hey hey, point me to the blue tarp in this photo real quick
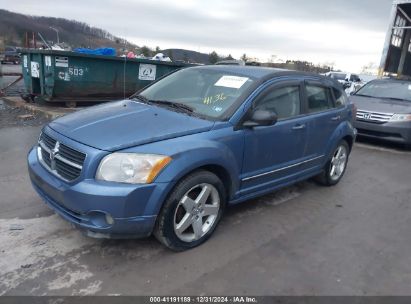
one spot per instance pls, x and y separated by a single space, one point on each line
100 51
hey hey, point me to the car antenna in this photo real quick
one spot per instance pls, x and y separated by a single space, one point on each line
124 71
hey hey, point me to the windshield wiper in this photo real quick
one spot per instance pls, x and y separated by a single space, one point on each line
394 98
175 105
141 98
365 95
170 104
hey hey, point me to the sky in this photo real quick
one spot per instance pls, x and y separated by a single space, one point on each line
348 33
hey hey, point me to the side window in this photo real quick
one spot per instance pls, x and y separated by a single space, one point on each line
285 102
340 98
319 98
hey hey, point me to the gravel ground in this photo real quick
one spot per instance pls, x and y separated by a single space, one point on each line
13 117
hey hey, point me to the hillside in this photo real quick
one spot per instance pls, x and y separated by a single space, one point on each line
13 28
186 55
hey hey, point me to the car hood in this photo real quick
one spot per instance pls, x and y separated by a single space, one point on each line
123 124
381 105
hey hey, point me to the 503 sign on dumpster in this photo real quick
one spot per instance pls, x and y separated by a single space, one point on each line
76 71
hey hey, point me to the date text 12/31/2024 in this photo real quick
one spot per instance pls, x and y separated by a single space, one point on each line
204 299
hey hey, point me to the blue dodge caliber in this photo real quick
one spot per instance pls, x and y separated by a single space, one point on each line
168 160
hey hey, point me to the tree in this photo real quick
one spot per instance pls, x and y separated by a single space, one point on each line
146 51
369 68
229 57
244 57
213 57
185 57
272 58
170 55
158 49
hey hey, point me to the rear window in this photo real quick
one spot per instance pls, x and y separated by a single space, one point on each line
338 76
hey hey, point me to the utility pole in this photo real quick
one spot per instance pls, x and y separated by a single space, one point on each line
57 32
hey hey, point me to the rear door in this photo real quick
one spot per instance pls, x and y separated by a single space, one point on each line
324 118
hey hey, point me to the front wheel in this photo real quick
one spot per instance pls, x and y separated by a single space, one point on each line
192 211
335 167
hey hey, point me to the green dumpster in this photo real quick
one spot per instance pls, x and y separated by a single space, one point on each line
61 76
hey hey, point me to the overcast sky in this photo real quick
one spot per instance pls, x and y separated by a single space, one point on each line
348 32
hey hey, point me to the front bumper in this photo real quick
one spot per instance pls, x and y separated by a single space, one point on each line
398 132
100 209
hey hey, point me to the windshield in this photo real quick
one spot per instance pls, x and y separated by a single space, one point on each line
208 93
338 76
400 90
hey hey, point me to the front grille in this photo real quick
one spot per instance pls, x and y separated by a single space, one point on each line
46 157
375 117
60 159
47 140
71 154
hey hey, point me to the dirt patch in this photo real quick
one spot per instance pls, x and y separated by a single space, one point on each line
17 116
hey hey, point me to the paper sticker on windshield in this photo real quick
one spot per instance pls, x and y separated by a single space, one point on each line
234 82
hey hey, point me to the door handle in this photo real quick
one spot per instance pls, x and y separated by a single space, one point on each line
335 118
299 127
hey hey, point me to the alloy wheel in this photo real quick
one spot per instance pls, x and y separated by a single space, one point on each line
196 212
338 162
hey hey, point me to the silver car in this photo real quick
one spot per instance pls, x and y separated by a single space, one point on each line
384 110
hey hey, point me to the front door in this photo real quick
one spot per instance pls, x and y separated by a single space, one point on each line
272 153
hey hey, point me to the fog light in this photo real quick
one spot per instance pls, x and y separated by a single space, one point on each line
109 219
100 219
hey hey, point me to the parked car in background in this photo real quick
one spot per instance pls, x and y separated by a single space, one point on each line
384 110
338 76
348 80
169 159
10 55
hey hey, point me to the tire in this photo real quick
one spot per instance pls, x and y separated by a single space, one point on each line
192 211
335 168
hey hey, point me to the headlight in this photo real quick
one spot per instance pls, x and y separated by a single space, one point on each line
131 168
401 117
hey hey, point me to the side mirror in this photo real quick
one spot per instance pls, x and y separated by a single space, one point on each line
261 118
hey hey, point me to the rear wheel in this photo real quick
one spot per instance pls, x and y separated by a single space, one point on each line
192 211
335 168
